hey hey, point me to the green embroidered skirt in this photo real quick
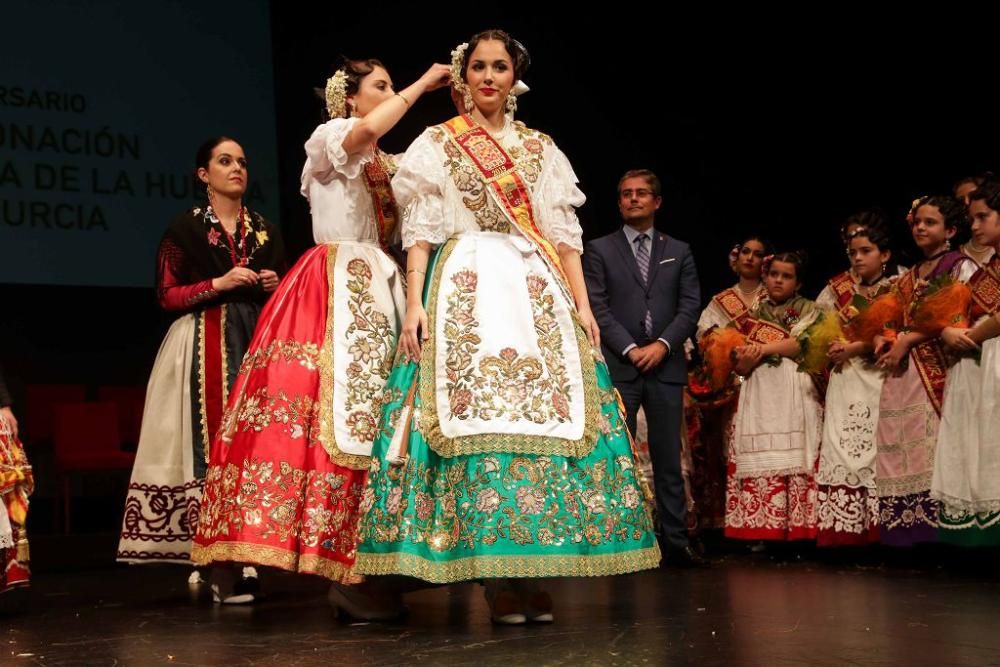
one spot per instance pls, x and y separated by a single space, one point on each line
502 513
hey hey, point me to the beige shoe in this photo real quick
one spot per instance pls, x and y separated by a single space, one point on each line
505 604
537 603
538 607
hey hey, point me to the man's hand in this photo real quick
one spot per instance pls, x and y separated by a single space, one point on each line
648 357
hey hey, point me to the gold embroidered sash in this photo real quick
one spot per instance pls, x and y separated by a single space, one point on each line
763 332
843 288
377 177
928 357
499 171
985 286
734 308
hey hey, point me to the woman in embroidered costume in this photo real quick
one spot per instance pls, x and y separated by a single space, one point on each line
966 478
289 463
216 266
714 407
910 404
848 503
514 460
16 484
771 491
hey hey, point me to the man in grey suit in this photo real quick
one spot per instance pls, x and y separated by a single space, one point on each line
644 292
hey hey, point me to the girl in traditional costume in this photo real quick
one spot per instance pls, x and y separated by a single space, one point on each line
16 484
979 253
502 454
772 488
966 479
288 466
848 502
910 404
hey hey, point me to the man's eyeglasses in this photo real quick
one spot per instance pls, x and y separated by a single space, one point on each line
628 194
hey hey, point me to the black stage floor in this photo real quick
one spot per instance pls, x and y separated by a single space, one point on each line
746 610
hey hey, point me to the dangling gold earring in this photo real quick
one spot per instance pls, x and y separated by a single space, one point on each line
209 193
511 104
947 244
354 111
467 100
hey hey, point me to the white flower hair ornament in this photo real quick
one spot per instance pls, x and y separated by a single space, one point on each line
336 94
458 83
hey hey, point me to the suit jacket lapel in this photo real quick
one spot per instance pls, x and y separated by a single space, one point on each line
659 244
629 257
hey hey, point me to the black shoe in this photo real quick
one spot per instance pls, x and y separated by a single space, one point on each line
226 589
685 557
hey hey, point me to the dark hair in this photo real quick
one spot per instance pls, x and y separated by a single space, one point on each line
795 257
872 224
975 180
204 155
518 54
734 252
768 248
654 182
356 70
952 209
988 192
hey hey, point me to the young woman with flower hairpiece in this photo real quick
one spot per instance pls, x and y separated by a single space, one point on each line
501 454
288 464
715 399
848 502
914 360
771 491
216 267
